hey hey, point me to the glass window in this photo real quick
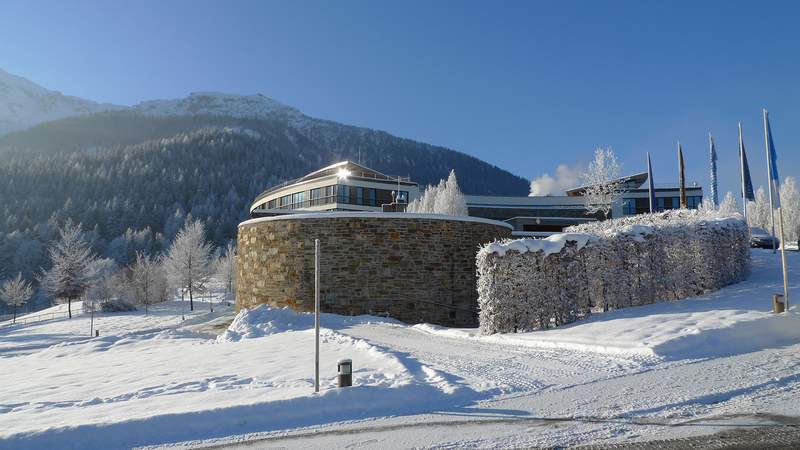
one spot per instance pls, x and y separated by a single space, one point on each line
359 196
642 205
371 197
344 193
383 197
628 207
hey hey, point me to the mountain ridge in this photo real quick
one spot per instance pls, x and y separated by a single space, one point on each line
24 103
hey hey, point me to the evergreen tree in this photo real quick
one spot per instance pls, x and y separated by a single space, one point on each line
449 199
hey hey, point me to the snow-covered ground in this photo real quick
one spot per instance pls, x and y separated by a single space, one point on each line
655 371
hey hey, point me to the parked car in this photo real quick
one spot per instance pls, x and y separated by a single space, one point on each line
761 239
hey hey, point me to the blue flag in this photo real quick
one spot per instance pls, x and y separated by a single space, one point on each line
650 184
713 158
773 164
747 183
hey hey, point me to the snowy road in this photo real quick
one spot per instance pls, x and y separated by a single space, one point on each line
584 399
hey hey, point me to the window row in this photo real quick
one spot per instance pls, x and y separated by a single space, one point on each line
338 193
631 206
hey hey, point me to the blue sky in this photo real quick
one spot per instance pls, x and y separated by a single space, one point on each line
523 85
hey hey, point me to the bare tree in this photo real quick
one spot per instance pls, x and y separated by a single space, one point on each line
101 290
728 206
146 280
226 268
16 292
188 262
790 202
71 274
758 210
602 181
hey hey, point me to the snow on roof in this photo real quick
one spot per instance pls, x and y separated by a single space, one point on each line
637 231
549 245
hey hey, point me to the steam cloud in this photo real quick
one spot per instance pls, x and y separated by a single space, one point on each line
566 178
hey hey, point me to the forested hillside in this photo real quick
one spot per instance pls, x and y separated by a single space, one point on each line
131 180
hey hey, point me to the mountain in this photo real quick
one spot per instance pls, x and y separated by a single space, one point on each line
218 104
133 175
24 104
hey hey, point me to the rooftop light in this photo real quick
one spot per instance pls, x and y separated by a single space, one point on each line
343 174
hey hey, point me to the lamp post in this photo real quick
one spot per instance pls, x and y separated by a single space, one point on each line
183 304
316 315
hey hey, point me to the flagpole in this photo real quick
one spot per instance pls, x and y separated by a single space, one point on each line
783 263
769 180
650 193
682 177
741 173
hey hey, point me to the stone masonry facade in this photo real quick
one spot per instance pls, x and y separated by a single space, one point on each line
414 269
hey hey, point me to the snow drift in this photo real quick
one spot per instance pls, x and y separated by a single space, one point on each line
529 284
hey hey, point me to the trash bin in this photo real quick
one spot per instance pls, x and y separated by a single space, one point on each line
778 306
345 369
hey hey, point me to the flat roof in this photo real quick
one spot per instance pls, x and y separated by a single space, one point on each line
356 171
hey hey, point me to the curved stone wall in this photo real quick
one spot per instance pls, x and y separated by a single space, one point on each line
413 267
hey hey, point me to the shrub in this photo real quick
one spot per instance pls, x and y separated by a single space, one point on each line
527 284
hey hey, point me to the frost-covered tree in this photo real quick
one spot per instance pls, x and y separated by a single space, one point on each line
449 199
428 199
101 289
444 198
414 206
15 292
147 280
70 275
226 268
707 206
790 205
188 261
602 180
728 206
758 210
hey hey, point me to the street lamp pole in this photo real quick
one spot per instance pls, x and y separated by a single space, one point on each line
316 315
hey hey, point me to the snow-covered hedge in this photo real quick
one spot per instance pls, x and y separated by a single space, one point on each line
527 284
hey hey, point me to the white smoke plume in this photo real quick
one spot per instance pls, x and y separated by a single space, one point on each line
566 178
